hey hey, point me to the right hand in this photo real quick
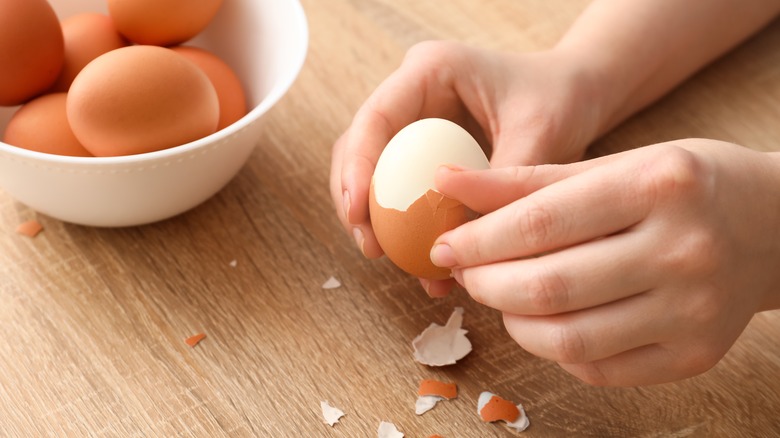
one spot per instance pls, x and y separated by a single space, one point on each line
530 108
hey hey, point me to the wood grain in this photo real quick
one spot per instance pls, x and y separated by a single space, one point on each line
93 321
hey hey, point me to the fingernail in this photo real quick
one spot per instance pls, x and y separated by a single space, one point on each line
347 204
357 234
451 167
442 255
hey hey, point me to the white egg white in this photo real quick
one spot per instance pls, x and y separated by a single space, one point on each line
405 170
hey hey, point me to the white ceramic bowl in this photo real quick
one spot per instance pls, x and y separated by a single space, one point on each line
265 41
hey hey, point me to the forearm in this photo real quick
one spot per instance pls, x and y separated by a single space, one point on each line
635 51
771 299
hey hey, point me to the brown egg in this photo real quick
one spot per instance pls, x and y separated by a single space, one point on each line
407 236
31 49
141 99
232 100
407 213
87 36
162 22
41 125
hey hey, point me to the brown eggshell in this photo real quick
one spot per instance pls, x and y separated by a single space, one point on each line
498 408
232 100
41 125
31 49
87 36
141 99
407 237
437 388
162 22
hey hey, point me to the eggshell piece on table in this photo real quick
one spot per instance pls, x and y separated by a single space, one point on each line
139 99
442 345
496 408
230 92
162 22
29 228
331 414
331 283
87 36
431 392
407 213
491 407
31 49
438 388
42 125
388 430
195 339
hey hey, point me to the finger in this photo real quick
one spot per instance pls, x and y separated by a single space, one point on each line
645 365
596 333
576 209
487 190
361 230
578 277
437 288
340 202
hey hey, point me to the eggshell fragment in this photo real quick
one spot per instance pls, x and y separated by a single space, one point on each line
388 430
491 407
29 228
496 408
331 283
407 213
139 99
438 388
425 403
194 340
431 392
31 49
439 346
331 414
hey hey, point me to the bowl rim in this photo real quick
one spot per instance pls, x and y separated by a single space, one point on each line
279 89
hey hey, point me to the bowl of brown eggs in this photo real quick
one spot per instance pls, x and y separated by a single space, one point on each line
120 113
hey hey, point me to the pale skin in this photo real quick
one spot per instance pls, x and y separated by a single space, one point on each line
646 281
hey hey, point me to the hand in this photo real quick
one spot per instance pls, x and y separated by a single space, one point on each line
532 108
637 268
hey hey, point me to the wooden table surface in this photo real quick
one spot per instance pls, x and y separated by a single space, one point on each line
93 321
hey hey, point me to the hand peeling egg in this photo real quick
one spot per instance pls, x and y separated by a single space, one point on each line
407 212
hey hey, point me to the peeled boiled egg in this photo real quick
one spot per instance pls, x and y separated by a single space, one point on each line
162 22
42 125
407 213
31 49
230 92
139 99
87 36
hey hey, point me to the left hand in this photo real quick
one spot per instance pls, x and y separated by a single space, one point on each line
637 268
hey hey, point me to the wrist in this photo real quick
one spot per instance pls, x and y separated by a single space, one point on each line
600 92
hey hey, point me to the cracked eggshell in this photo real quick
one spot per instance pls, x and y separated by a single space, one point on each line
407 213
